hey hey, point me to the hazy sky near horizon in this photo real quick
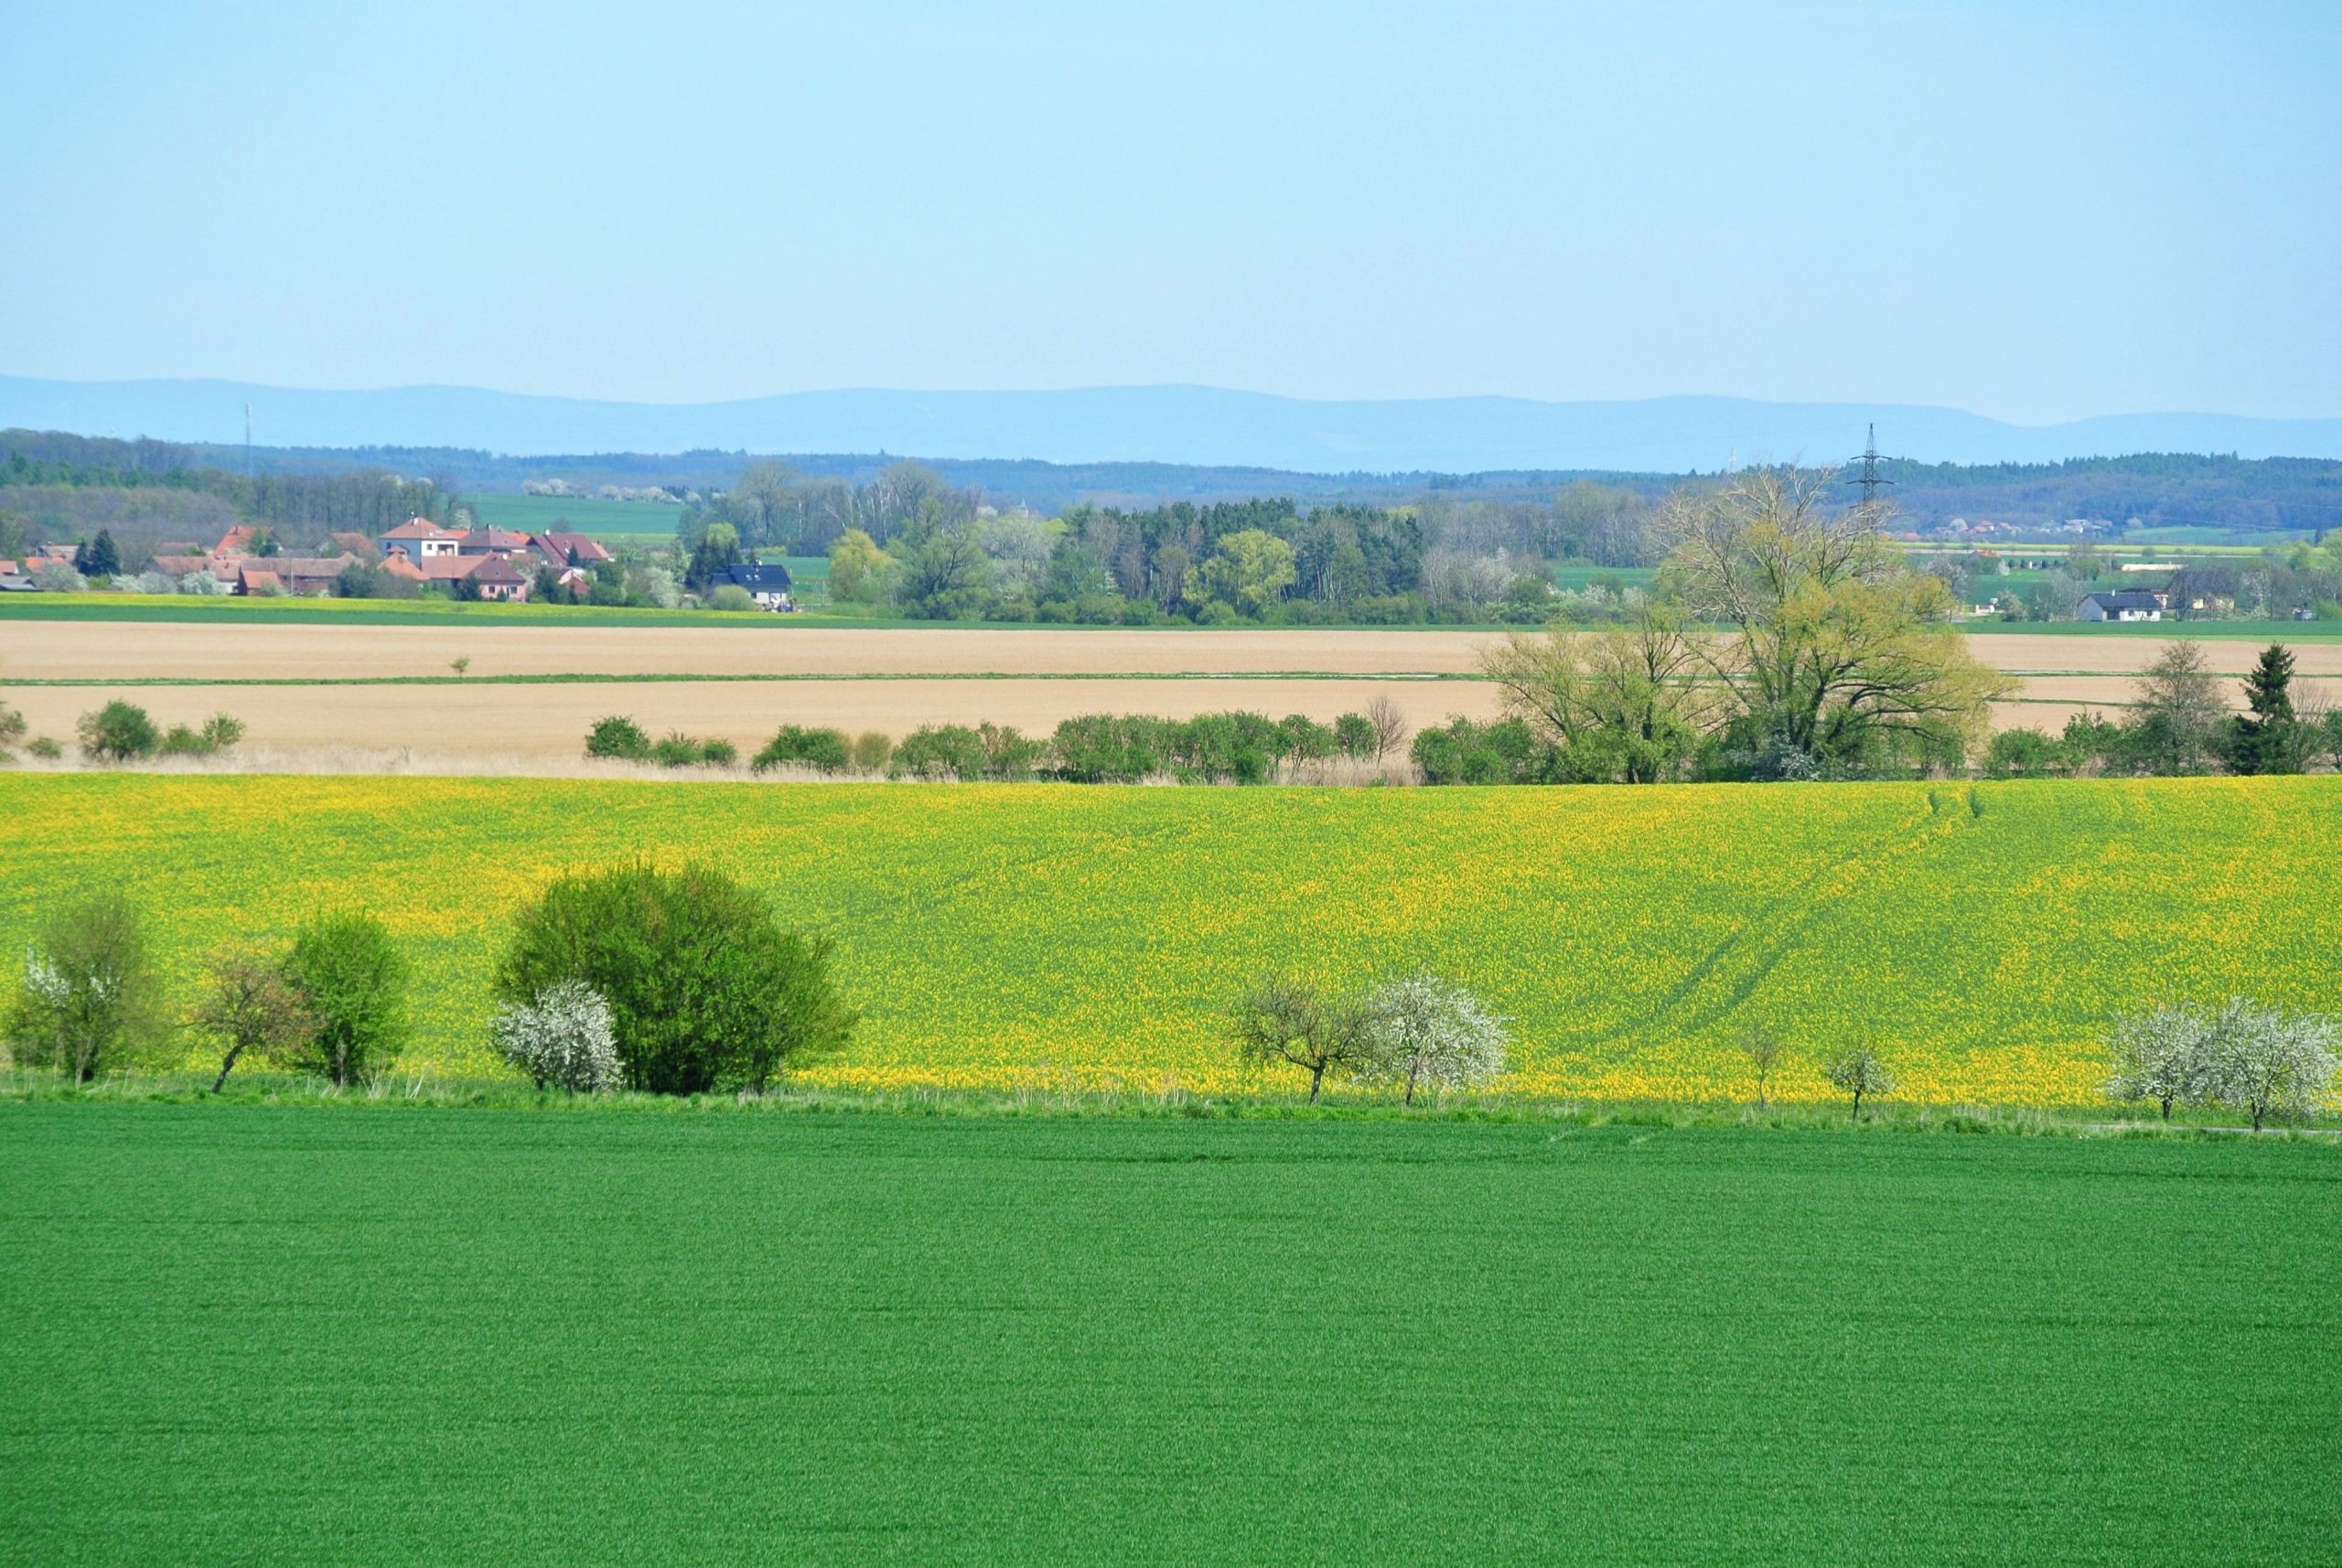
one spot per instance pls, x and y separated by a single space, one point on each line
2036 211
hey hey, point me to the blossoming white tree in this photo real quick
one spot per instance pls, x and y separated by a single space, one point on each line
1420 1030
2161 1054
563 1037
2266 1062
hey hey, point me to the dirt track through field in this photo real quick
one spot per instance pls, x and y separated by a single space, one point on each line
545 724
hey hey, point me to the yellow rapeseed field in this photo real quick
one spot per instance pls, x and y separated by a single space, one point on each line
1978 936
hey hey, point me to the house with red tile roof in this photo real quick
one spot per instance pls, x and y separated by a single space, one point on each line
490 541
258 582
569 549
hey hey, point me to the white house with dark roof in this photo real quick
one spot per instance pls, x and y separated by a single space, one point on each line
2128 604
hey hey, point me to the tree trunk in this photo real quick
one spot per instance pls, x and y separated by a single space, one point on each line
227 1065
1412 1071
2166 1107
1316 1078
2256 1118
1858 1105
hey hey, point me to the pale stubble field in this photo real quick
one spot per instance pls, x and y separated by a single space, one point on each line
758 678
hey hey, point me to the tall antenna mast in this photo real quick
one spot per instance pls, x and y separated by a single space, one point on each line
1868 479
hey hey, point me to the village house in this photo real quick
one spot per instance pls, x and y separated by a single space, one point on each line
768 585
499 579
2128 604
569 549
490 541
485 572
420 540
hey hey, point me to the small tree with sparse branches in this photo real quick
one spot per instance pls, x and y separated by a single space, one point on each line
1286 1020
252 1007
2162 1055
1419 1029
1763 1048
1388 724
1859 1072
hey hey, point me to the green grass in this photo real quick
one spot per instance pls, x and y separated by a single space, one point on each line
255 1335
605 521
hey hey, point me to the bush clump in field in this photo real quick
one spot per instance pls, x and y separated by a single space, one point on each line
119 731
1505 752
91 995
872 750
253 1007
219 733
12 732
823 750
704 987
618 739
677 749
942 752
562 1037
731 596
352 978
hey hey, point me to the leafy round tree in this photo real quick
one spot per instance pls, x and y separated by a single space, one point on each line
618 737
705 989
352 978
92 990
119 731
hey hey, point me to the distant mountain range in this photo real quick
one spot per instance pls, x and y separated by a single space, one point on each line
1170 425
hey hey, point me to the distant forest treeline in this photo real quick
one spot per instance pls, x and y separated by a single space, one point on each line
2265 495
67 485
67 482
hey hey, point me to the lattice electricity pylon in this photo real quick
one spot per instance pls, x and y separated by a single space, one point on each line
1868 479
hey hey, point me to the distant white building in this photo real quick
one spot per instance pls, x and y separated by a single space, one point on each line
2129 603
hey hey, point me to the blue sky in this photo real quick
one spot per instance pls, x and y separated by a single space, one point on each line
2034 212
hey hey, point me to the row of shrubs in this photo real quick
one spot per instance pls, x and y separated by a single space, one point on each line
669 982
1091 748
122 732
